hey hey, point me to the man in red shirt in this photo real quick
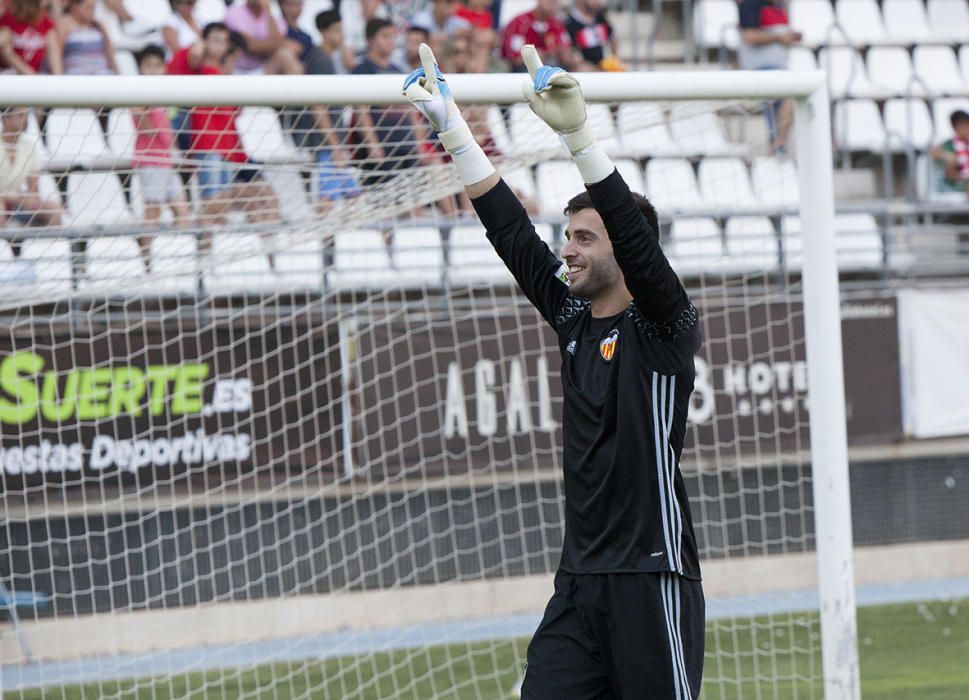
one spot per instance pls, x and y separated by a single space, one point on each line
542 28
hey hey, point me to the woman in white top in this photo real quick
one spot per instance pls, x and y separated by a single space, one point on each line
180 28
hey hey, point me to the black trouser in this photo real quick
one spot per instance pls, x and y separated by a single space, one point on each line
618 636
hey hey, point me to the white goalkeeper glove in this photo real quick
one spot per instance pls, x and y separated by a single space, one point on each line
429 92
555 96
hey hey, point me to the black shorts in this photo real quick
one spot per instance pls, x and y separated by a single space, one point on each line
618 636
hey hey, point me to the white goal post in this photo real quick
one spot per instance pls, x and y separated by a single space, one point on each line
820 282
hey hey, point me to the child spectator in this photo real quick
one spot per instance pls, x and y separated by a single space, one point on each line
441 21
26 37
267 48
954 154
153 160
20 198
83 46
330 26
180 28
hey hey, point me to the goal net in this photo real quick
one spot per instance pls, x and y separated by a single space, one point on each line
281 425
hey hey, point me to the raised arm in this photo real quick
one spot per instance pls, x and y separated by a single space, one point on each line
509 229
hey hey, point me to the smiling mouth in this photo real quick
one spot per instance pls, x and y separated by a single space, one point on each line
575 270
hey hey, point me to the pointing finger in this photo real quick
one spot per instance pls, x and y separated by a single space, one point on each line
429 63
532 60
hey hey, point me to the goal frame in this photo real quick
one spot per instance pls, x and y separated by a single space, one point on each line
808 89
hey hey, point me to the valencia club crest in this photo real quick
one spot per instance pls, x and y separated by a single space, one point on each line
607 346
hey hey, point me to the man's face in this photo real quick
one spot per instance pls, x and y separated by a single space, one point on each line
588 253
15 120
291 10
412 42
547 8
445 8
333 35
962 129
217 45
384 41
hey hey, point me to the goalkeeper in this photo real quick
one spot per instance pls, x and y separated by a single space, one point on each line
626 619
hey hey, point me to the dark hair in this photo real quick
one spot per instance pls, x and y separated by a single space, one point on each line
375 25
960 115
422 30
214 27
149 51
327 18
584 201
237 42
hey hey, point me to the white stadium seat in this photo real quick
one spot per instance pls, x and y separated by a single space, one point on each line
938 68
51 259
928 183
75 139
716 23
175 263
95 199
698 131
858 126
813 18
600 117
801 58
472 258
299 263
512 8
949 19
671 182
360 261
847 75
862 20
964 65
210 11
418 256
112 261
127 65
263 138
858 242
942 110
243 264
121 135
632 174
751 244
890 67
775 182
725 184
557 181
529 133
696 245
499 130
644 130
521 180
912 120
907 23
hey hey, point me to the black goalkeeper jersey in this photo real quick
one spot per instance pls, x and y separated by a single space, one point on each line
627 381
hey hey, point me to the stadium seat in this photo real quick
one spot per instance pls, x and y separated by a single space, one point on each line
175 263
671 182
121 136
890 67
907 23
716 24
17 276
499 130
939 70
521 180
775 182
911 119
472 259
695 246
949 19
360 261
75 139
418 256
529 134
127 65
644 130
263 138
814 18
928 183
299 261
801 58
52 264
557 182
847 75
240 263
964 65
210 11
112 263
600 116
942 109
725 184
631 172
862 21
512 8
95 199
751 244
697 130
858 242
858 126
294 202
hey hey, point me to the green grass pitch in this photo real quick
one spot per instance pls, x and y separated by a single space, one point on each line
916 651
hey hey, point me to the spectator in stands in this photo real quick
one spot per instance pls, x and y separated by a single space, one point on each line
765 37
441 21
20 198
83 47
413 38
330 26
26 37
268 49
226 174
478 14
291 11
592 34
543 28
180 28
954 154
397 12
153 159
